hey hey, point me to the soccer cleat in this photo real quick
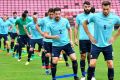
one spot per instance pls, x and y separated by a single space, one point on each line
76 78
82 78
19 60
27 63
47 72
93 78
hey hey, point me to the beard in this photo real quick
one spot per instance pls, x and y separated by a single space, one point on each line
57 18
86 11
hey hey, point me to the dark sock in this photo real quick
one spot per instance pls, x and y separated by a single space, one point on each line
43 58
65 57
75 67
28 47
29 55
46 62
15 48
110 73
82 66
20 51
90 72
0 44
7 50
12 45
53 70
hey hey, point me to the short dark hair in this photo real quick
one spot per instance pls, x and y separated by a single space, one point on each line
46 14
35 13
86 2
57 9
92 10
106 3
51 10
24 15
14 12
26 11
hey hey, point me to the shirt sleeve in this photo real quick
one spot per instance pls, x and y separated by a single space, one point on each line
41 23
91 19
17 21
67 24
47 28
77 19
117 20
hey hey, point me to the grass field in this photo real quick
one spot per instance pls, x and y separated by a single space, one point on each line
11 69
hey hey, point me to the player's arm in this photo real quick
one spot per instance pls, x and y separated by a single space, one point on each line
46 35
70 36
39 30
85 23
76 34
16 24
27 32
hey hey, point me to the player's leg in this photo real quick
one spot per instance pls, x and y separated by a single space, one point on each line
95 51
107 52
47 47
69 51
31 50
55 57
83 49
0 40
65 58
5 36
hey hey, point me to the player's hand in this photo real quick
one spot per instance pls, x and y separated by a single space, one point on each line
56 37
30 36
17 32
112 39
72 44
92 39
76 42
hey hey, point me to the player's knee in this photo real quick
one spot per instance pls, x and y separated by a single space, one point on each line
31 49
48 55
93 63
110 64
83 56
55 60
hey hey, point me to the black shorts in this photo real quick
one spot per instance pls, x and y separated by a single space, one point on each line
57 49
48 47
107 52
84 46
4 36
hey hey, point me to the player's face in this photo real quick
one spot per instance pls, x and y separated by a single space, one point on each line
14 15
57 15
106 10
87 8
51 14
5 18
35 19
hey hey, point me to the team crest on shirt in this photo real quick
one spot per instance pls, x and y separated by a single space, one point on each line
62 24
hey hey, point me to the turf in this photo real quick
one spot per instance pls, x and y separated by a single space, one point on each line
11 69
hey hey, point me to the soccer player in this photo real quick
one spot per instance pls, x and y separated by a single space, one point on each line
60 29
13 34
4 28
47 43
102 41
34 36
84 41
23 38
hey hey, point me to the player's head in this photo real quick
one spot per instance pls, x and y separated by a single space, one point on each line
35 13
24 15
57 12
5 17
51 13
92 10
87 7
14 14
46 14
106 6
26 12
35 17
